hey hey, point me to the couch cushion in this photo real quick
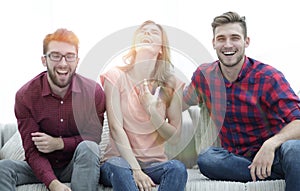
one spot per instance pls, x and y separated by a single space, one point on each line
42 187
196 181
6 131
13 149
268 185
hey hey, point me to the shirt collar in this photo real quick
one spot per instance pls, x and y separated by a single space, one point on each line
46 90
46 87
245 68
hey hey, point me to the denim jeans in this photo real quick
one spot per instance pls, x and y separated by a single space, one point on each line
170 175
82 171
219 164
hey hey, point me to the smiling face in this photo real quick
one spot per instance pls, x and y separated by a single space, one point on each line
230 43
60 73
149 37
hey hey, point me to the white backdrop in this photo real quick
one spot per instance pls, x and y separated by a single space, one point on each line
272 27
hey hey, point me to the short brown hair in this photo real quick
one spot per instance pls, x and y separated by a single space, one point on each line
230 17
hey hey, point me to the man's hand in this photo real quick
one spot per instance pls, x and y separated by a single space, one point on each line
56 185
262 163
45 143
143 181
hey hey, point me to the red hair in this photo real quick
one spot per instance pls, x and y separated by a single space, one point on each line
61 35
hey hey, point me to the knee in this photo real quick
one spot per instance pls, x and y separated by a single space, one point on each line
291 150
179 168
5 166
88 150
293 145
205 157
209 159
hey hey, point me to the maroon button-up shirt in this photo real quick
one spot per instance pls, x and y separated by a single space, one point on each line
76 117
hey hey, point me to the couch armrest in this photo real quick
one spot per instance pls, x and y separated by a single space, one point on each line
6 132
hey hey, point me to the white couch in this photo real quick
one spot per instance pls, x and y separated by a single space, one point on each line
194 139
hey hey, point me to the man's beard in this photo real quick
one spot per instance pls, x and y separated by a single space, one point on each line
239 58
56 81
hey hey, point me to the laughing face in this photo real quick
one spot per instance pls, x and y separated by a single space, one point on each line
230 43
60 73
149 37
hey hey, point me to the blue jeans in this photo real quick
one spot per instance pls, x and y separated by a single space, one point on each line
219 164
170 175
82 171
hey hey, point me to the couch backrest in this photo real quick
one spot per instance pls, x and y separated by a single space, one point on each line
200 131
184 150
206 134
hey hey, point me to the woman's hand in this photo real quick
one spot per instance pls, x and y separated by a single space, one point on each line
146 98
142 180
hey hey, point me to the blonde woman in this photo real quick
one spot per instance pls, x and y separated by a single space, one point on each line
144 111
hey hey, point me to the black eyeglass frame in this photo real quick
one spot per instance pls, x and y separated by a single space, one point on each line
67 59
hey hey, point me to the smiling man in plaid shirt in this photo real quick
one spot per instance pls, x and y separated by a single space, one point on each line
254 107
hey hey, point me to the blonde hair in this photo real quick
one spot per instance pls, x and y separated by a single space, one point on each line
163 63
162 70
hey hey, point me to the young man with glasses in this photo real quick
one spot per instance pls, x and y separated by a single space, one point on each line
60 116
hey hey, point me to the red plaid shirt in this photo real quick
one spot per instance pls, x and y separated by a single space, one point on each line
248 111
76 117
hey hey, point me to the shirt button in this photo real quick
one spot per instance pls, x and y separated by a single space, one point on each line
61 102
228 102
61 120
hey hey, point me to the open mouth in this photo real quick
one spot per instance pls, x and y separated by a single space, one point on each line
146 40
229 53
62 72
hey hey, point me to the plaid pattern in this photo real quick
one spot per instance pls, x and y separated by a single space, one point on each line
248 111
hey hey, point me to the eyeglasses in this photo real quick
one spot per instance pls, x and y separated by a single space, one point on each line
57 57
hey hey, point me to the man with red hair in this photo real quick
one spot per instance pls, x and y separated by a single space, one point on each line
60 116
